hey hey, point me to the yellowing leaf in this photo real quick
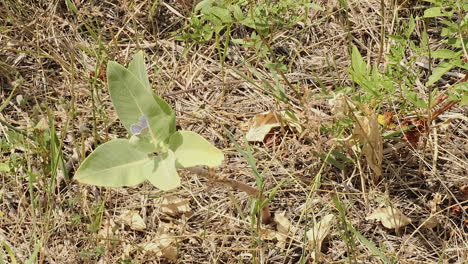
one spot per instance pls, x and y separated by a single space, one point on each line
174 205
366 131
191 150
390 217
133 220
317 234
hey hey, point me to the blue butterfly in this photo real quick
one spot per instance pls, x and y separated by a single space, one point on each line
140 127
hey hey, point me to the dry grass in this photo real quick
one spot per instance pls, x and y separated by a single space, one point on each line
55 55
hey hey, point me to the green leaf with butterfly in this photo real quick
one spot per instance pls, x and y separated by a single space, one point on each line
155 149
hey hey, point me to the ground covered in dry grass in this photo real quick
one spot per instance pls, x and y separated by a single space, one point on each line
53 59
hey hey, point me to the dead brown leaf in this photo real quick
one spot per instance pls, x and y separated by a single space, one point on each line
283 225
132 219
268 235
165 245
390 217
433 204
174 206
262 124
367 131
341 105
430 222
317 234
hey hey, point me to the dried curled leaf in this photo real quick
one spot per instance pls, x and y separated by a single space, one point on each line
263 123
341 105
175 206
317 234
133 220
430 222
268 235
367 131
386 120
107 230
163 246
283 225
390 217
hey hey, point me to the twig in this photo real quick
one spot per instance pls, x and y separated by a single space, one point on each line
209 174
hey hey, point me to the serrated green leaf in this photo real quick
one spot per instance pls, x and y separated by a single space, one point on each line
438 72
445 54
204 4
411 26
460 92
222 14
237 12
414 98
461 87
164 174
137 67
191 149
357 62
314 6
132 100
464 99
4 167
115 164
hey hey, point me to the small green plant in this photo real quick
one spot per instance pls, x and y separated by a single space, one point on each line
155 149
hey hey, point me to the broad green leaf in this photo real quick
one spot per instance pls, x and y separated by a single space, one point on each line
115 164
132 99
137 67
164 174
438 72
433 12
191 149
143 144
361 75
